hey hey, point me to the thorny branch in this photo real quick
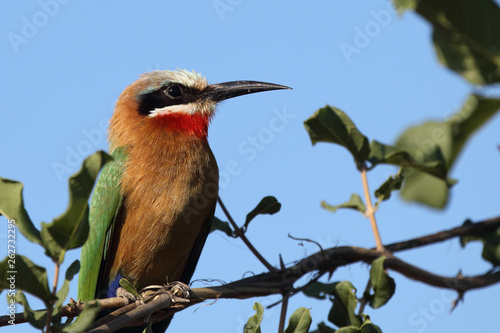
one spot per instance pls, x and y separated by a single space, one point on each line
323 261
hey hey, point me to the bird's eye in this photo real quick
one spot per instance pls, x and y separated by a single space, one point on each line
173 91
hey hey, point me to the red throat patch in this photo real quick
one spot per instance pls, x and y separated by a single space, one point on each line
193 124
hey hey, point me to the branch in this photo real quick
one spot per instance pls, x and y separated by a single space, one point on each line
471 229
159 302
323 261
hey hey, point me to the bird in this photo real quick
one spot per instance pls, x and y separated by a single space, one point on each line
152 207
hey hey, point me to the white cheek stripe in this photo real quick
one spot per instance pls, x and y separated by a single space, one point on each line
182 108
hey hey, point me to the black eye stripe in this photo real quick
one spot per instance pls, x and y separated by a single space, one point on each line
173 94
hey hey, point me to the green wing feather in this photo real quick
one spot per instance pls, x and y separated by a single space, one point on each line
104 207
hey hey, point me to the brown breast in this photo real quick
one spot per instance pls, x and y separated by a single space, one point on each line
170 186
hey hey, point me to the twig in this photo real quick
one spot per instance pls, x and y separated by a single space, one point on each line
298 290
104 321
364 300
54 290
244 238
370 211
284 307
306 240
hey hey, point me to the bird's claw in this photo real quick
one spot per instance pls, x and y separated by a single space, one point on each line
179 289
121 292
176 288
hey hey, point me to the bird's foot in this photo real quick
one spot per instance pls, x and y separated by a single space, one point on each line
151 290
121 292
179 289
176 288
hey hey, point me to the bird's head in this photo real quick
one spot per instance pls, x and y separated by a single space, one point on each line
173 101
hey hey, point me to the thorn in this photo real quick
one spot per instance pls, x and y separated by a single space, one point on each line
460 294
282 264
459 299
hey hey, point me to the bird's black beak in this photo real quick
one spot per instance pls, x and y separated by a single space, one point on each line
221 91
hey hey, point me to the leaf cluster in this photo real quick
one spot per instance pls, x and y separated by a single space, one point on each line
66 232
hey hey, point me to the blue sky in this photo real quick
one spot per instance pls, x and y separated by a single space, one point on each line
64 63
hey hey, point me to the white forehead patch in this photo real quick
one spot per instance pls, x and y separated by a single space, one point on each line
188 78
152 81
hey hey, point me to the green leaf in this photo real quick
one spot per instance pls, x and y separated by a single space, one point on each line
85 319
330 124
323 328
382 284
27 276
12 207
299 321
393 183
366 327
253 323
450 135
53 239
476 111
430 161
319 290
70 230
36 319
268 205
428 142
349 329
355 202
370 328
128 286
344 306
491 244
404 5
422 188
466 36
222 226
